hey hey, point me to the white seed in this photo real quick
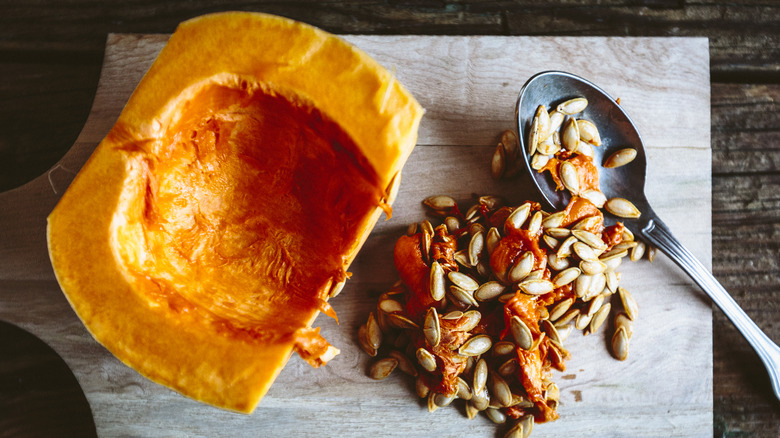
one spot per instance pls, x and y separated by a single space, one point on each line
612 281
535 224
558 233
584 252
599 317
589 132
502 348
442 400
573 106
373 332
475 345
476 245
554 220
584 149
651 253
471 320
518 217
561 308
431 327
382 368
492 240
550 330
522 268
464 391
638 251
480 377
623 321
437 281
463 281
566 318
498 163
538 161
557 263
463 296
499 390
582 321
593 240
564 332
620 344
389 305
622 208
452 223
595 304
533 136
544 121
536 286
620 158
595 196
426 360
627 235
571 135
612 263
551 242
547 147
565 277
582 285
439 202
421 388
521 333
511 144
564 250
569 177
629 304
556 120
597 284
489 290
588 223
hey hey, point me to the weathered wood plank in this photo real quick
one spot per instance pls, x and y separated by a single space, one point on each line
665 391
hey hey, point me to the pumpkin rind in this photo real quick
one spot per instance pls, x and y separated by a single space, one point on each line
107 280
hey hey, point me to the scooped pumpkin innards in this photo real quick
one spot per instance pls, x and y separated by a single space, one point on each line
213 222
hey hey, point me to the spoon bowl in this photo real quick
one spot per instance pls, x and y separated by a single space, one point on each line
618 131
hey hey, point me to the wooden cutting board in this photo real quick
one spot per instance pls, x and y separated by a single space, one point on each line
468 86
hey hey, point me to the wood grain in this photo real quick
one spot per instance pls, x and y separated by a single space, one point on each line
666 391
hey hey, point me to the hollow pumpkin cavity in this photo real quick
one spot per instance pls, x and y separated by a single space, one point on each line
240 214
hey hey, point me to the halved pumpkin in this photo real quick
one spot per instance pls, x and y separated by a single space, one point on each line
210 226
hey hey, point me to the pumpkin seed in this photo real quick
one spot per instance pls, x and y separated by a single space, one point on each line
612 281
536 286
557 263
538 161
620 344
552 393
431 402
488 291
426 360
584 252
651 253
556 120
476 345
499 390
599 317
518 217
533 136
613 254
502 348
521 402
483 269
629 304
373 332
547 147
472 212
638 251
411 230
470 321
584 149
622 208
593 240
439 202
566 318
612 263
597 285
589 132
480 377
623 321
511 144
582 284
495 415
569 177
431 328
521 268
550 241
562 307
390 305
620 158
550 330
363 341
627 236
426 239
592 267
421 388
508 368
471 411
382 368
462 296
582 321
558 233
476 228
535 224
564 332
436 282
442 400
461 257
455 314
565 277
476 245
452 223
573 106
492 239
521 333
595 196
544 121
498 163
400 321
554 220
463 281
481 399
564 250
404 363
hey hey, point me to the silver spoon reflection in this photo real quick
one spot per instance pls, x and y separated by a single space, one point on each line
617 130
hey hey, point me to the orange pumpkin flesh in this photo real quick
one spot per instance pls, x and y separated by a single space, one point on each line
207 230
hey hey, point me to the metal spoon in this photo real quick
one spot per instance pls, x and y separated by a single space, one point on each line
617 129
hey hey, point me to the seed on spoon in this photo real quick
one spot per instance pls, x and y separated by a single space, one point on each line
573 106
556 120
539 161
620 158
589 132
622 208
544 122
571 135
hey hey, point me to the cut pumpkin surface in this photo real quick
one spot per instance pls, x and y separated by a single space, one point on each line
208 229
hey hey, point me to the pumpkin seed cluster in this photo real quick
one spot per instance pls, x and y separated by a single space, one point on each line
487 299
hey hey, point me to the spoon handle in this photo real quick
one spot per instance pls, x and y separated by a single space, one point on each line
658 234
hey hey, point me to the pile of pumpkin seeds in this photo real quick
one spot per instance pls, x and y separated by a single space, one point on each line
467 295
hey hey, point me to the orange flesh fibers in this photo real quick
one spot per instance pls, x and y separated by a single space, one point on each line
210 244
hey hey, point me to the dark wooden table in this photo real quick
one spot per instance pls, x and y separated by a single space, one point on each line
51 53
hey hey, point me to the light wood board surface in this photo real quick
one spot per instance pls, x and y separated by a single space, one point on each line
468 86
